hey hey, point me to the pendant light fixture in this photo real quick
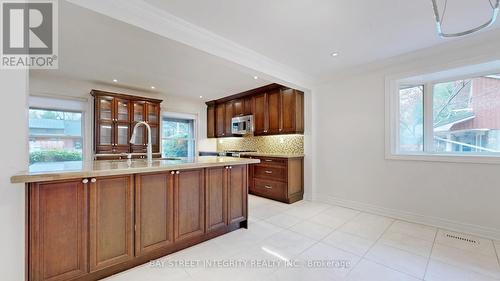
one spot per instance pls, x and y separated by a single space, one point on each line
495 6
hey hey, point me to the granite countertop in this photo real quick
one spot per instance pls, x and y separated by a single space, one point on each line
79 169
276 155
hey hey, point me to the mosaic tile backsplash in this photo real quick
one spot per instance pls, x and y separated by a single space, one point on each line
286 144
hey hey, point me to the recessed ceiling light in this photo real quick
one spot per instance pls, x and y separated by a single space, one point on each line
201 97
153 87
115 80
335 54
256 77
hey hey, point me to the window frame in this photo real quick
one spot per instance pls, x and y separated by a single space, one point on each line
64 105
185 116
392 115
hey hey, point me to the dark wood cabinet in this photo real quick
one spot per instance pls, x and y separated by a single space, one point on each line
260 116
115 115
216 198
292 111
111 221
237 193
228 119
189 204
238 107
154 212
58 225
226 196
276 110
211 121
87 229
220 117
280 179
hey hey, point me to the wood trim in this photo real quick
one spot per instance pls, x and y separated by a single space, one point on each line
96 93
252 92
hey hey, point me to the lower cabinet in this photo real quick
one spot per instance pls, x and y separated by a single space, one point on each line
57 230
154 212
226 196
111 221
189 204
87 229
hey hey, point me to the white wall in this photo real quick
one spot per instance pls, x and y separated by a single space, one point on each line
351 168
14 158
41 84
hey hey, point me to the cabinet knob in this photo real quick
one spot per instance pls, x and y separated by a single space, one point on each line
230 167
85 181
93 180
226 167
177 172
172 172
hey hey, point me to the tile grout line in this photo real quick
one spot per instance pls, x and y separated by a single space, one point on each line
497 249
432 250
378 240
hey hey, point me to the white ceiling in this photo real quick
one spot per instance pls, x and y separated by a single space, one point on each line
303 34
96 48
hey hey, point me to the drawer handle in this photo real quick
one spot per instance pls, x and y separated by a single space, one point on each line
268 160
268 186
269 172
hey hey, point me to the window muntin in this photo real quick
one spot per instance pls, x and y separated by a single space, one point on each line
463 117
178 137
55 136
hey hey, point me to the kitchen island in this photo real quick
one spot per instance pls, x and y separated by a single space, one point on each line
93 219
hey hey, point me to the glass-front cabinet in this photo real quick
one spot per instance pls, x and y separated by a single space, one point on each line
115 116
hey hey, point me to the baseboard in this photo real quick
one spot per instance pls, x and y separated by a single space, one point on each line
477 230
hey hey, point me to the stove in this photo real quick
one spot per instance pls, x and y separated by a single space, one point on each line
235 153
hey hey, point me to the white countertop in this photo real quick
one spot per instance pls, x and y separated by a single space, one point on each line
50 172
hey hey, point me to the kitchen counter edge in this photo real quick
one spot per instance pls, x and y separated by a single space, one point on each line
65 175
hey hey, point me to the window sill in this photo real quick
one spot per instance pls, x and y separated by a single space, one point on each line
427 157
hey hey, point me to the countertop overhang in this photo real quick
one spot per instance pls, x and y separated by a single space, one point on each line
123 167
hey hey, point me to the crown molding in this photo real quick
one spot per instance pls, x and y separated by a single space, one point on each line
150 18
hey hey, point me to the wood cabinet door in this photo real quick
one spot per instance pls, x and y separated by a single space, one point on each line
58 224
292 111
104 108
238 107
138 111
248 106
189 204
111 221
154 212
211 121
220 118
273 111
228 119
122 133
237 194
216 198
152 113
122 110
260 114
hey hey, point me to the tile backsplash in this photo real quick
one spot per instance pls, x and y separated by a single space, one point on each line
286 144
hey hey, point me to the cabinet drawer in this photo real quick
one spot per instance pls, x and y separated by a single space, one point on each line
269 188
270 172
272 161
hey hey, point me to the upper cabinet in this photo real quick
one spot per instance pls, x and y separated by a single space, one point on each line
115 116
276 110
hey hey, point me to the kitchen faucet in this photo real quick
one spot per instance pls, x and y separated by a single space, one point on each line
134 138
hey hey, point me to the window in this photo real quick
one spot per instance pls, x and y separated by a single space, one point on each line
55 136
178 137
450 117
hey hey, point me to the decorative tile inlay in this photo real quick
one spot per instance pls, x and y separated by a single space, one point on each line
285 144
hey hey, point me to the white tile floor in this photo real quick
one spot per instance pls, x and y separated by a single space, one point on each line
316 241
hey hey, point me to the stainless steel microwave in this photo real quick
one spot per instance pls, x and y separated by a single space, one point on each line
242 125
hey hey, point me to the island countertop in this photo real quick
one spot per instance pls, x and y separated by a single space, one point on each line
62 171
